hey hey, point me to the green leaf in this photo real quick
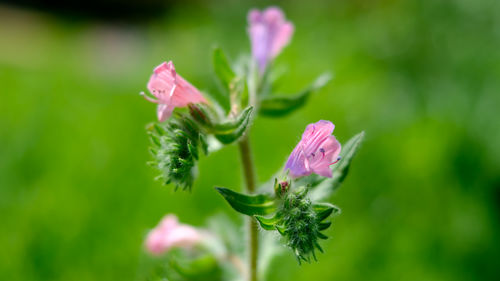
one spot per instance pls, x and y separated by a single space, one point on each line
203 143
178 264
324 225
348 151
276 106
202 268
281 229
230 131
250 205
324 210
268 223
222 68
324 187
226 77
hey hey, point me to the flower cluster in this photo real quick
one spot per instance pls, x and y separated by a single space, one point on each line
315 167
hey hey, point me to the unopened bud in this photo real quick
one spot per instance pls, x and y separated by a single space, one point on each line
281 187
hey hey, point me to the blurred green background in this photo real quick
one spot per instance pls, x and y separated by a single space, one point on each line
422 78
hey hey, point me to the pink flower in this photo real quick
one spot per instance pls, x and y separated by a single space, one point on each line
315 152
170 90
169 233
269 33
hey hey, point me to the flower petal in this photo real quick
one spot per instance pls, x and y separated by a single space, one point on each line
297 163
315 134
315 152
171 90
282 38
164 112
185 93
169 222
169 233
269 33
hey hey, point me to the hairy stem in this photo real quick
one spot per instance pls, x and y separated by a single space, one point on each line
249 174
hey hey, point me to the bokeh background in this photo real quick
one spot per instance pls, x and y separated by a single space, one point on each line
422 78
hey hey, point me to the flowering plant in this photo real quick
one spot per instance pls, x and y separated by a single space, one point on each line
291 204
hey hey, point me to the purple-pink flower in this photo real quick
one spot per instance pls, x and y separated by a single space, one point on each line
315 152
170 90
170 233
269 33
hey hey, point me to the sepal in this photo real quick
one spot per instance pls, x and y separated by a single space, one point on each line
230 131
202 114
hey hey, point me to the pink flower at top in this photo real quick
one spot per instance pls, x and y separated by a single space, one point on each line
269 33
315 152
169 233
170 90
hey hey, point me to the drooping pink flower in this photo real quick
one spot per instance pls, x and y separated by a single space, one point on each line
315 152
170 90
269 33
170 233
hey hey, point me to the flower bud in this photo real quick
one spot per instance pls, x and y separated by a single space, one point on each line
175 150
300 225
169 233
281 187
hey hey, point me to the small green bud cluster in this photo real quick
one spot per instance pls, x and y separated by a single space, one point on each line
175 150
301 225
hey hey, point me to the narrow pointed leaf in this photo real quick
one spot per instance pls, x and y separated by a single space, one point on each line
250 205
348 151
268 223
324 187
230 131
324 225
225 75
280 229
318 247
222 68
279 105
155 139
324 210
204 143
322 236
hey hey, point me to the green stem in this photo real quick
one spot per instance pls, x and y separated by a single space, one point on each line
249 173
250 177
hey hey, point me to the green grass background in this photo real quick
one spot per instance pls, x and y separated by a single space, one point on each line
422 78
